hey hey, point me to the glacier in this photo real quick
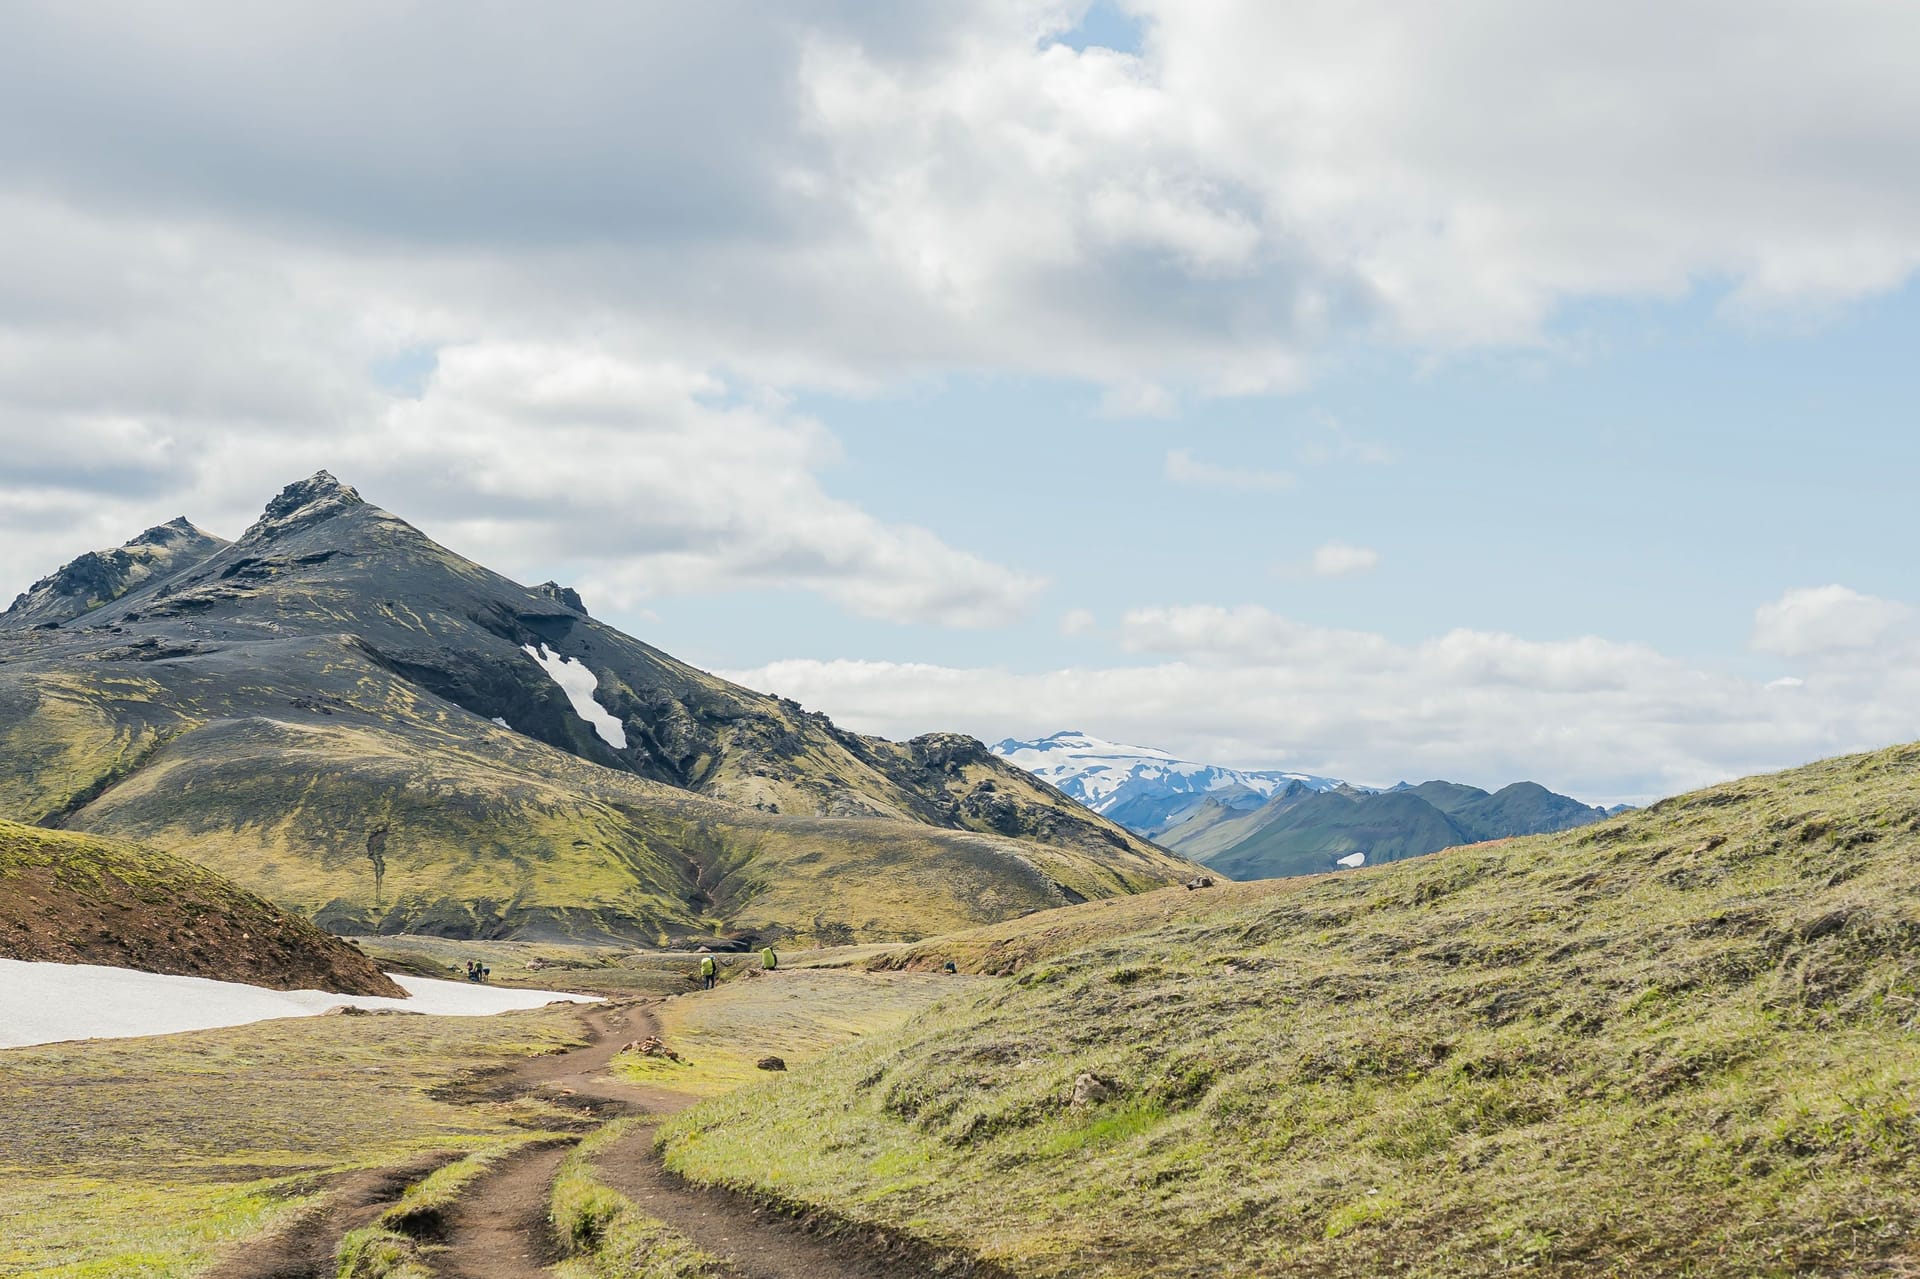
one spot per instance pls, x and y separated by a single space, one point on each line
1141 787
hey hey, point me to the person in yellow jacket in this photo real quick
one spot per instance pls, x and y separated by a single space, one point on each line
708 972
769 960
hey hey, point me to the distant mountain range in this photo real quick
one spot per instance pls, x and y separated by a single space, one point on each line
343 716
1262 825
1144 789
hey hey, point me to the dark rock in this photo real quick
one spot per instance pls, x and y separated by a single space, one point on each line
771 1063
563 595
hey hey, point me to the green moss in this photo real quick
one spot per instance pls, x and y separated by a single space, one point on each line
1680 1041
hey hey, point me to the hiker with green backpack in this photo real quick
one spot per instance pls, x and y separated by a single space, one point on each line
709 973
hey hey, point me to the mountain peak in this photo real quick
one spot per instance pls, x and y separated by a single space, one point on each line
172 531
563 595
320 496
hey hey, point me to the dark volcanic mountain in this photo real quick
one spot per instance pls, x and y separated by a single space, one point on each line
344 716
100 577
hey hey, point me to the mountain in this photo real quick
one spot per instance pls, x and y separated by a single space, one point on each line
1259 825
1346 827
354 721
1523 808
1680 1042
1144 789
77 899
100 577
1339 829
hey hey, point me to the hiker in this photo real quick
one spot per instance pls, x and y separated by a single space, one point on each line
951 968
769 960
473 970
708 972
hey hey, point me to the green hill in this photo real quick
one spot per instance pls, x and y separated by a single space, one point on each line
347 717
1682 1041
1300 831
1313 833
77 899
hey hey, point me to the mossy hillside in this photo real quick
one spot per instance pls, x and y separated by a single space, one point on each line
80 899
1682 1041
477 849
158 1151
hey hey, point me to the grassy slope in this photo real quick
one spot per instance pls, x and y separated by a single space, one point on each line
79 899
795 1014
490 828
162 1149
1683 1040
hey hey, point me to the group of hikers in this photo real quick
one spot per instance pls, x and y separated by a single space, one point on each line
477 971
710 968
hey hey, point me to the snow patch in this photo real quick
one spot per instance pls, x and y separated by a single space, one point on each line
47 1003
501 722
1351 860
579 683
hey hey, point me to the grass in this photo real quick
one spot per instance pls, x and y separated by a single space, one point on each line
147 1156
606 1236
795 1014
1682 1041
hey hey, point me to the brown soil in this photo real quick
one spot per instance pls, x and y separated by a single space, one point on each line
70 898
500 1230
303 1247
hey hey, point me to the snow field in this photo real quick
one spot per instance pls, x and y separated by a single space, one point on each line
579 683
48 1003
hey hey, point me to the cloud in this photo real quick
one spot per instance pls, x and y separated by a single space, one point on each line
1338 559
227 228
1078 621
642 479
1182 467
1138 399
1824 619
1604 720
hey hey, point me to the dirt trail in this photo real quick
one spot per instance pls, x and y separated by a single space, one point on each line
303 1247
760 1244
499 1229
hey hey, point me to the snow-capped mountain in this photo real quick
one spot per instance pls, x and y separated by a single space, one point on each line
1142 788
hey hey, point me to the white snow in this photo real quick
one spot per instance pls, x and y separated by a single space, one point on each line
579 683
47 1003
1351 860
501 722
1103 774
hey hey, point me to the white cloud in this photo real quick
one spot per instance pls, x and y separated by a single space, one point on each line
1604 720
1182 467
219 223
646 479
1078 621
1138 399
1824 619
1338 559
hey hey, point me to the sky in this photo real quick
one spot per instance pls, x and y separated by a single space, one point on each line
1485 391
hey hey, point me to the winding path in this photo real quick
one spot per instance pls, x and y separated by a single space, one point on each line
499 1229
